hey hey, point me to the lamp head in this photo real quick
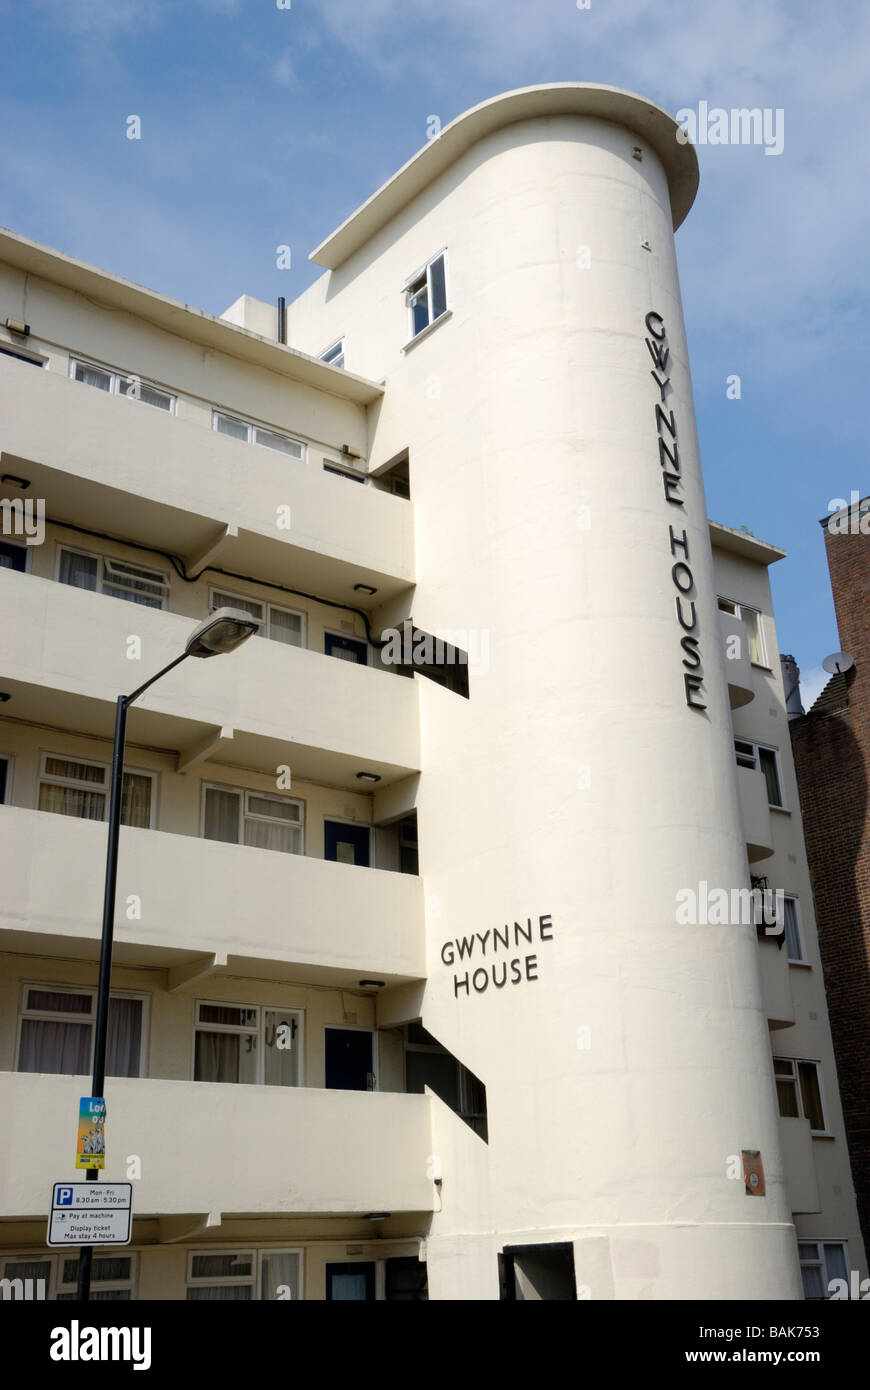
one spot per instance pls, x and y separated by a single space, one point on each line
222 631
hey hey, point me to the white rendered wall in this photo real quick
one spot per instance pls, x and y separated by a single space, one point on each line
575 783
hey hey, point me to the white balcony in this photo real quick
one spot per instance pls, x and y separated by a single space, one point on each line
64 662
776 983
754 813
251 909
738 667
101 461
800 1167
222 1149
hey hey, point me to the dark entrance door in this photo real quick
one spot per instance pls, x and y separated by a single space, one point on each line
349 1060
349 844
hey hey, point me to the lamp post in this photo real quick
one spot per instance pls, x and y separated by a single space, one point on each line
224 631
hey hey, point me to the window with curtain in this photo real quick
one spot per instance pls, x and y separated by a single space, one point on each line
127 384
116 578
249 433
280 624
257 819
821 1261
57 1032
249 1044
244 1275
73 787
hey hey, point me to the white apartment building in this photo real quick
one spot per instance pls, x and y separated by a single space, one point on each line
516 1069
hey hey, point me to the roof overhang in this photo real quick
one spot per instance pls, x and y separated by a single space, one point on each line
195 325
740 543
650 122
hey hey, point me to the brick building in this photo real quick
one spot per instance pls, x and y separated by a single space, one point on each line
831 745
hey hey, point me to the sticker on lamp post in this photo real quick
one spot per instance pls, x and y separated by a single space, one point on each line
91 1144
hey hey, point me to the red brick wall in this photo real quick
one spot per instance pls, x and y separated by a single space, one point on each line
832 761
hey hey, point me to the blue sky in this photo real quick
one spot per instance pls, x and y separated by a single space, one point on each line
263 126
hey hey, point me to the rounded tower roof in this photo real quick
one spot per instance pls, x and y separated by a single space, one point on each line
647 120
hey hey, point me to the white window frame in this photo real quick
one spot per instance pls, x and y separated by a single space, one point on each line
105 577
802 958
242 1030
54 1285
243 793
753 752
121 383
254 427
338 359
806 1061
820 1261
51 780
738 609
254 1279
49 1015
266 621
412 288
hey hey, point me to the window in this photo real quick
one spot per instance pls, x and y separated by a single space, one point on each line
409 858
334 355
426 295
117 578
5 778
793 936
57 1031
14 555
76 787
766 760
751 619
250 433
281 624
247 1043
427 1063
822 1261
799 1091
241 1276
113 1277
258 819
122 384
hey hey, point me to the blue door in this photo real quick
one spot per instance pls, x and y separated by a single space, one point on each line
346 844
349 1059
345 648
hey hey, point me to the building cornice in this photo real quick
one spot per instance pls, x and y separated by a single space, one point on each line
644 118
194 325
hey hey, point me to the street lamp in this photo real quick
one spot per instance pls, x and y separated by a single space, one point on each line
224 631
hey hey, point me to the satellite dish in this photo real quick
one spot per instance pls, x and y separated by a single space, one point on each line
838 662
